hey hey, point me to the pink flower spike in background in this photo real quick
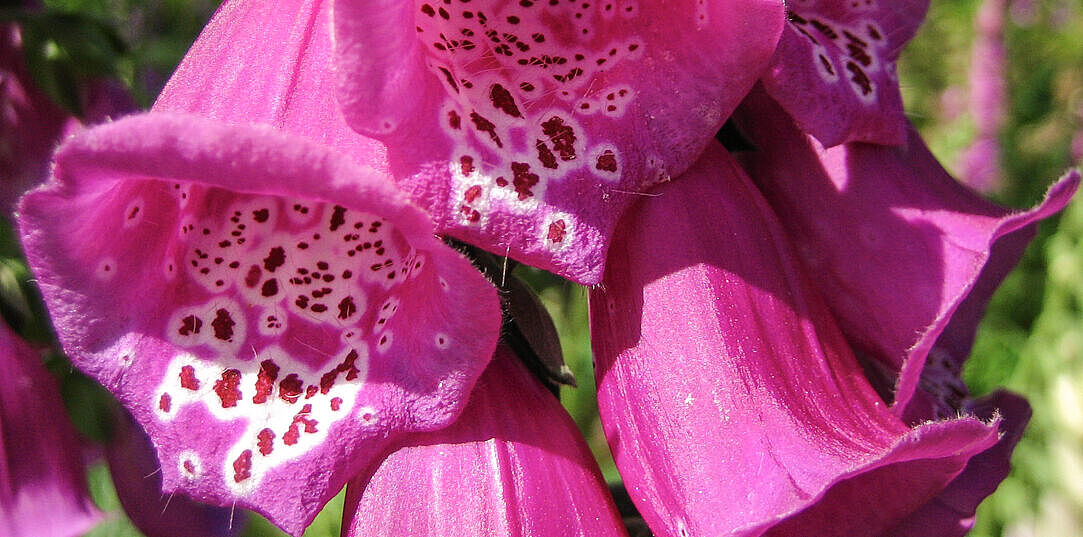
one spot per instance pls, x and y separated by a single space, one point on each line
42 482
988 98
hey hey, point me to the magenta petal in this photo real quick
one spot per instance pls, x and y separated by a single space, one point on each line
731 401
864 215
834 69
138 482
42 488
514 465
271 313
270 63
527 127
30 124
951 513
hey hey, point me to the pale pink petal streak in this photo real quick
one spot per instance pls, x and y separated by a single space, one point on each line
514 465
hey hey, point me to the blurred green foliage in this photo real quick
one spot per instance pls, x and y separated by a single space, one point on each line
1031 339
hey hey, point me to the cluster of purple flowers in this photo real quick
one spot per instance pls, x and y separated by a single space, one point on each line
779 325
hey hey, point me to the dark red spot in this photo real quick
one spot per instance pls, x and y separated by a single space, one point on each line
242 467
561 135
545 155
227 388
311 390
290 388
270 287
607 162
338 217
450 80
265 380
336 403
318 308
827 65
346 308
472 193
189 467
501 182
164 402
275 258
523 179
327 381
805 33
133 213
188 378
502 100
190 325
466 163
261 215
856 47
471 214
223 325
291 436
454 120
824 28
265 439
855 40
557 231
484 125
860 78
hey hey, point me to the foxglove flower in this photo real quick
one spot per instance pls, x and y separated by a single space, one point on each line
834 68
272 314
513 464
752 379
981 161
30 124
526 127
864 214
42 485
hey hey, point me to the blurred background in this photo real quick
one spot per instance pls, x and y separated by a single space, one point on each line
996 88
